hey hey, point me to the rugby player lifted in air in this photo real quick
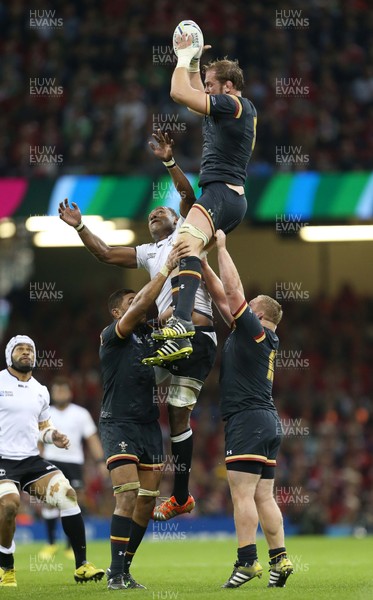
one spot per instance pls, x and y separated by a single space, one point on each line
229 130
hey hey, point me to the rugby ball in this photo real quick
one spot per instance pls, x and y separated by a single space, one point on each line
193 30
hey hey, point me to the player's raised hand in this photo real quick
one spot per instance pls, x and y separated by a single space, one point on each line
60 440
220 238
71 216
184 49
163 149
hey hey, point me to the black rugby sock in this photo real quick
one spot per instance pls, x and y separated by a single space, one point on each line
6 561
276 555
73 526
119 537
182 450
175 290
247 554
137 533
51 530
189 280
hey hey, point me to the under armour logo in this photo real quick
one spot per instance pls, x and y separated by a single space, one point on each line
229 452
2 472
210 212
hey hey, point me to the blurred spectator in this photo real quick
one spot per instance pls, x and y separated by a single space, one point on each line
113 61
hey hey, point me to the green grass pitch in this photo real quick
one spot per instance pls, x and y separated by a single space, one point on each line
340 568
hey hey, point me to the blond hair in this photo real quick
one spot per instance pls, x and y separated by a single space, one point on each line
271 308
226 70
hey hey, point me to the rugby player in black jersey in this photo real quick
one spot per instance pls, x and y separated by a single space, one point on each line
229 131
252 426
129 430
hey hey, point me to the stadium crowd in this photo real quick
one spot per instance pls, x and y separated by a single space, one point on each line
323 383
91 82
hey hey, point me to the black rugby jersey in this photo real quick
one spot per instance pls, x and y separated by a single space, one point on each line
229 132
247 366
129 386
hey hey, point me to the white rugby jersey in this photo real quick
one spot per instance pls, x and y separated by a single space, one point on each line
153 256
75 422
23 405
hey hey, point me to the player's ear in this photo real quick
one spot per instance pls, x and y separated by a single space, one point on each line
228 86
115 313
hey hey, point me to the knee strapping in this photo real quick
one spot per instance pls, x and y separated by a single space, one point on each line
57 495
8 487
195 232
126 487
183 391
153 493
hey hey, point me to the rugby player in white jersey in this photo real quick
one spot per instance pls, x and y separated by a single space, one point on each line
25 421
79 427
186 374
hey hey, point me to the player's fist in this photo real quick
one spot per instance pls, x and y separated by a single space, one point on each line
60 440
220 239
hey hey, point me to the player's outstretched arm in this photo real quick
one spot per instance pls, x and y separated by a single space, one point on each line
163 150
229 275
145 297
216 291
120 256
182 91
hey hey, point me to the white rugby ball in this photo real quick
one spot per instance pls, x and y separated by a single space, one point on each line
193 30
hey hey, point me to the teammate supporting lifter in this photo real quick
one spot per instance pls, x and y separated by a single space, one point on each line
130 433
252 425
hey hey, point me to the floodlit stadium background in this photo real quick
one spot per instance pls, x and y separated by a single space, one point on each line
82 87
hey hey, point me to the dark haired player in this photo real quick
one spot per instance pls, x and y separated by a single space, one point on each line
185 379
229 130
25 421
129 430
252 426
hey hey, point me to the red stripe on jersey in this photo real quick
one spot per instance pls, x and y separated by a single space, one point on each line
240 310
